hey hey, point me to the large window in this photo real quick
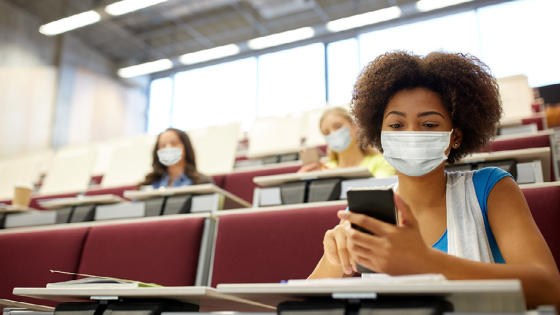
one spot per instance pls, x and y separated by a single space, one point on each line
159 113
515 37
453 33
521 37
291 80
342 67
216 95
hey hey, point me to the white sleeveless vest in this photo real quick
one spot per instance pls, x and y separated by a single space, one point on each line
466 234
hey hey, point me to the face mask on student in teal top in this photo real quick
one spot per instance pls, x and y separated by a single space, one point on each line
415 153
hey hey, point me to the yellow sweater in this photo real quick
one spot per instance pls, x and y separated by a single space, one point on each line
376 164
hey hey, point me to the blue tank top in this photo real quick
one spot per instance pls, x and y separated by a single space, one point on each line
483 181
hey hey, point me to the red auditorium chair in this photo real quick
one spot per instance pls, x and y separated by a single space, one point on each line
544 203
241 183
161 252
219 180
26 259
270 246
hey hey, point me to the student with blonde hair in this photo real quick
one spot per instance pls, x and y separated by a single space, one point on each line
339 129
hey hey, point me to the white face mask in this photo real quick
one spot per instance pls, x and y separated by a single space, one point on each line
339 140
169 156
415 153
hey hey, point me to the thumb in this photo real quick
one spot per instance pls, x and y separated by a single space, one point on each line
407 218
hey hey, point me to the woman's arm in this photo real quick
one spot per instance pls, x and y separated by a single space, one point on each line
401 250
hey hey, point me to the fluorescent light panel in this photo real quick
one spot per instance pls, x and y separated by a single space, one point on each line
127 6
364 19
70 23
209 54
429 5
281 38
145 68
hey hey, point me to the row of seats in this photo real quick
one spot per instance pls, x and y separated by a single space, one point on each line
250 246
240 183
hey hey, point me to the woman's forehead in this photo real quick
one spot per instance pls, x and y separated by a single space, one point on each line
416 101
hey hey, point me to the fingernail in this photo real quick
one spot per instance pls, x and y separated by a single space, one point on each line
348 270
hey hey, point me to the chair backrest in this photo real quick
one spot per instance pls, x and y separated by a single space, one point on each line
311 131
129 163
275 135
163 252
28 257
215 148
69 171
241 183
517 96
544 204
270 246
18 170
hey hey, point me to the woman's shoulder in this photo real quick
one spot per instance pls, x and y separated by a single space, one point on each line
489 176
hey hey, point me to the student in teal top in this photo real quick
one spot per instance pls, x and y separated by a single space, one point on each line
174 162
422 112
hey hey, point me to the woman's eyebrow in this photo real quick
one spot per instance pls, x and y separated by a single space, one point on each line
396 113
424 114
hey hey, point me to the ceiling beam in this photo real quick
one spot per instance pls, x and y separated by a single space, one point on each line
250 18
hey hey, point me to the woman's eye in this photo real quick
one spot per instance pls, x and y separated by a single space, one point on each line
431 125
395 126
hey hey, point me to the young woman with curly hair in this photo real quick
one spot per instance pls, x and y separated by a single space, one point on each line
174 162
421 112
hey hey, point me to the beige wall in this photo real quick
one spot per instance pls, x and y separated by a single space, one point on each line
46 105
26 108
102 108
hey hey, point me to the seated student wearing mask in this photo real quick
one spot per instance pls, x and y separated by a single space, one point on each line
174 162
423 112
340 133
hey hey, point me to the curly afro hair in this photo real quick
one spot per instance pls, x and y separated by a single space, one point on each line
463 82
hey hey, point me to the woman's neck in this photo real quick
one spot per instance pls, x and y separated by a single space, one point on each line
176 170
424 192
350 157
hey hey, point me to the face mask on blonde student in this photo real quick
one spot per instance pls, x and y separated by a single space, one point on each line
339 130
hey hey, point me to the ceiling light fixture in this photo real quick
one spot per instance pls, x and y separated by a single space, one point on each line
281 38
127 6
70 23
209 54
429 5
364 19
145 68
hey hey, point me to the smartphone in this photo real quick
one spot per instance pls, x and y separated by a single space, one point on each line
376 202
308 156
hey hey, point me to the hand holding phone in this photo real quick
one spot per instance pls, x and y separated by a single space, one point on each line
376 202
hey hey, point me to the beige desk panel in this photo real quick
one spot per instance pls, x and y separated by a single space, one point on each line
347 173
208 298
523 155
467 295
